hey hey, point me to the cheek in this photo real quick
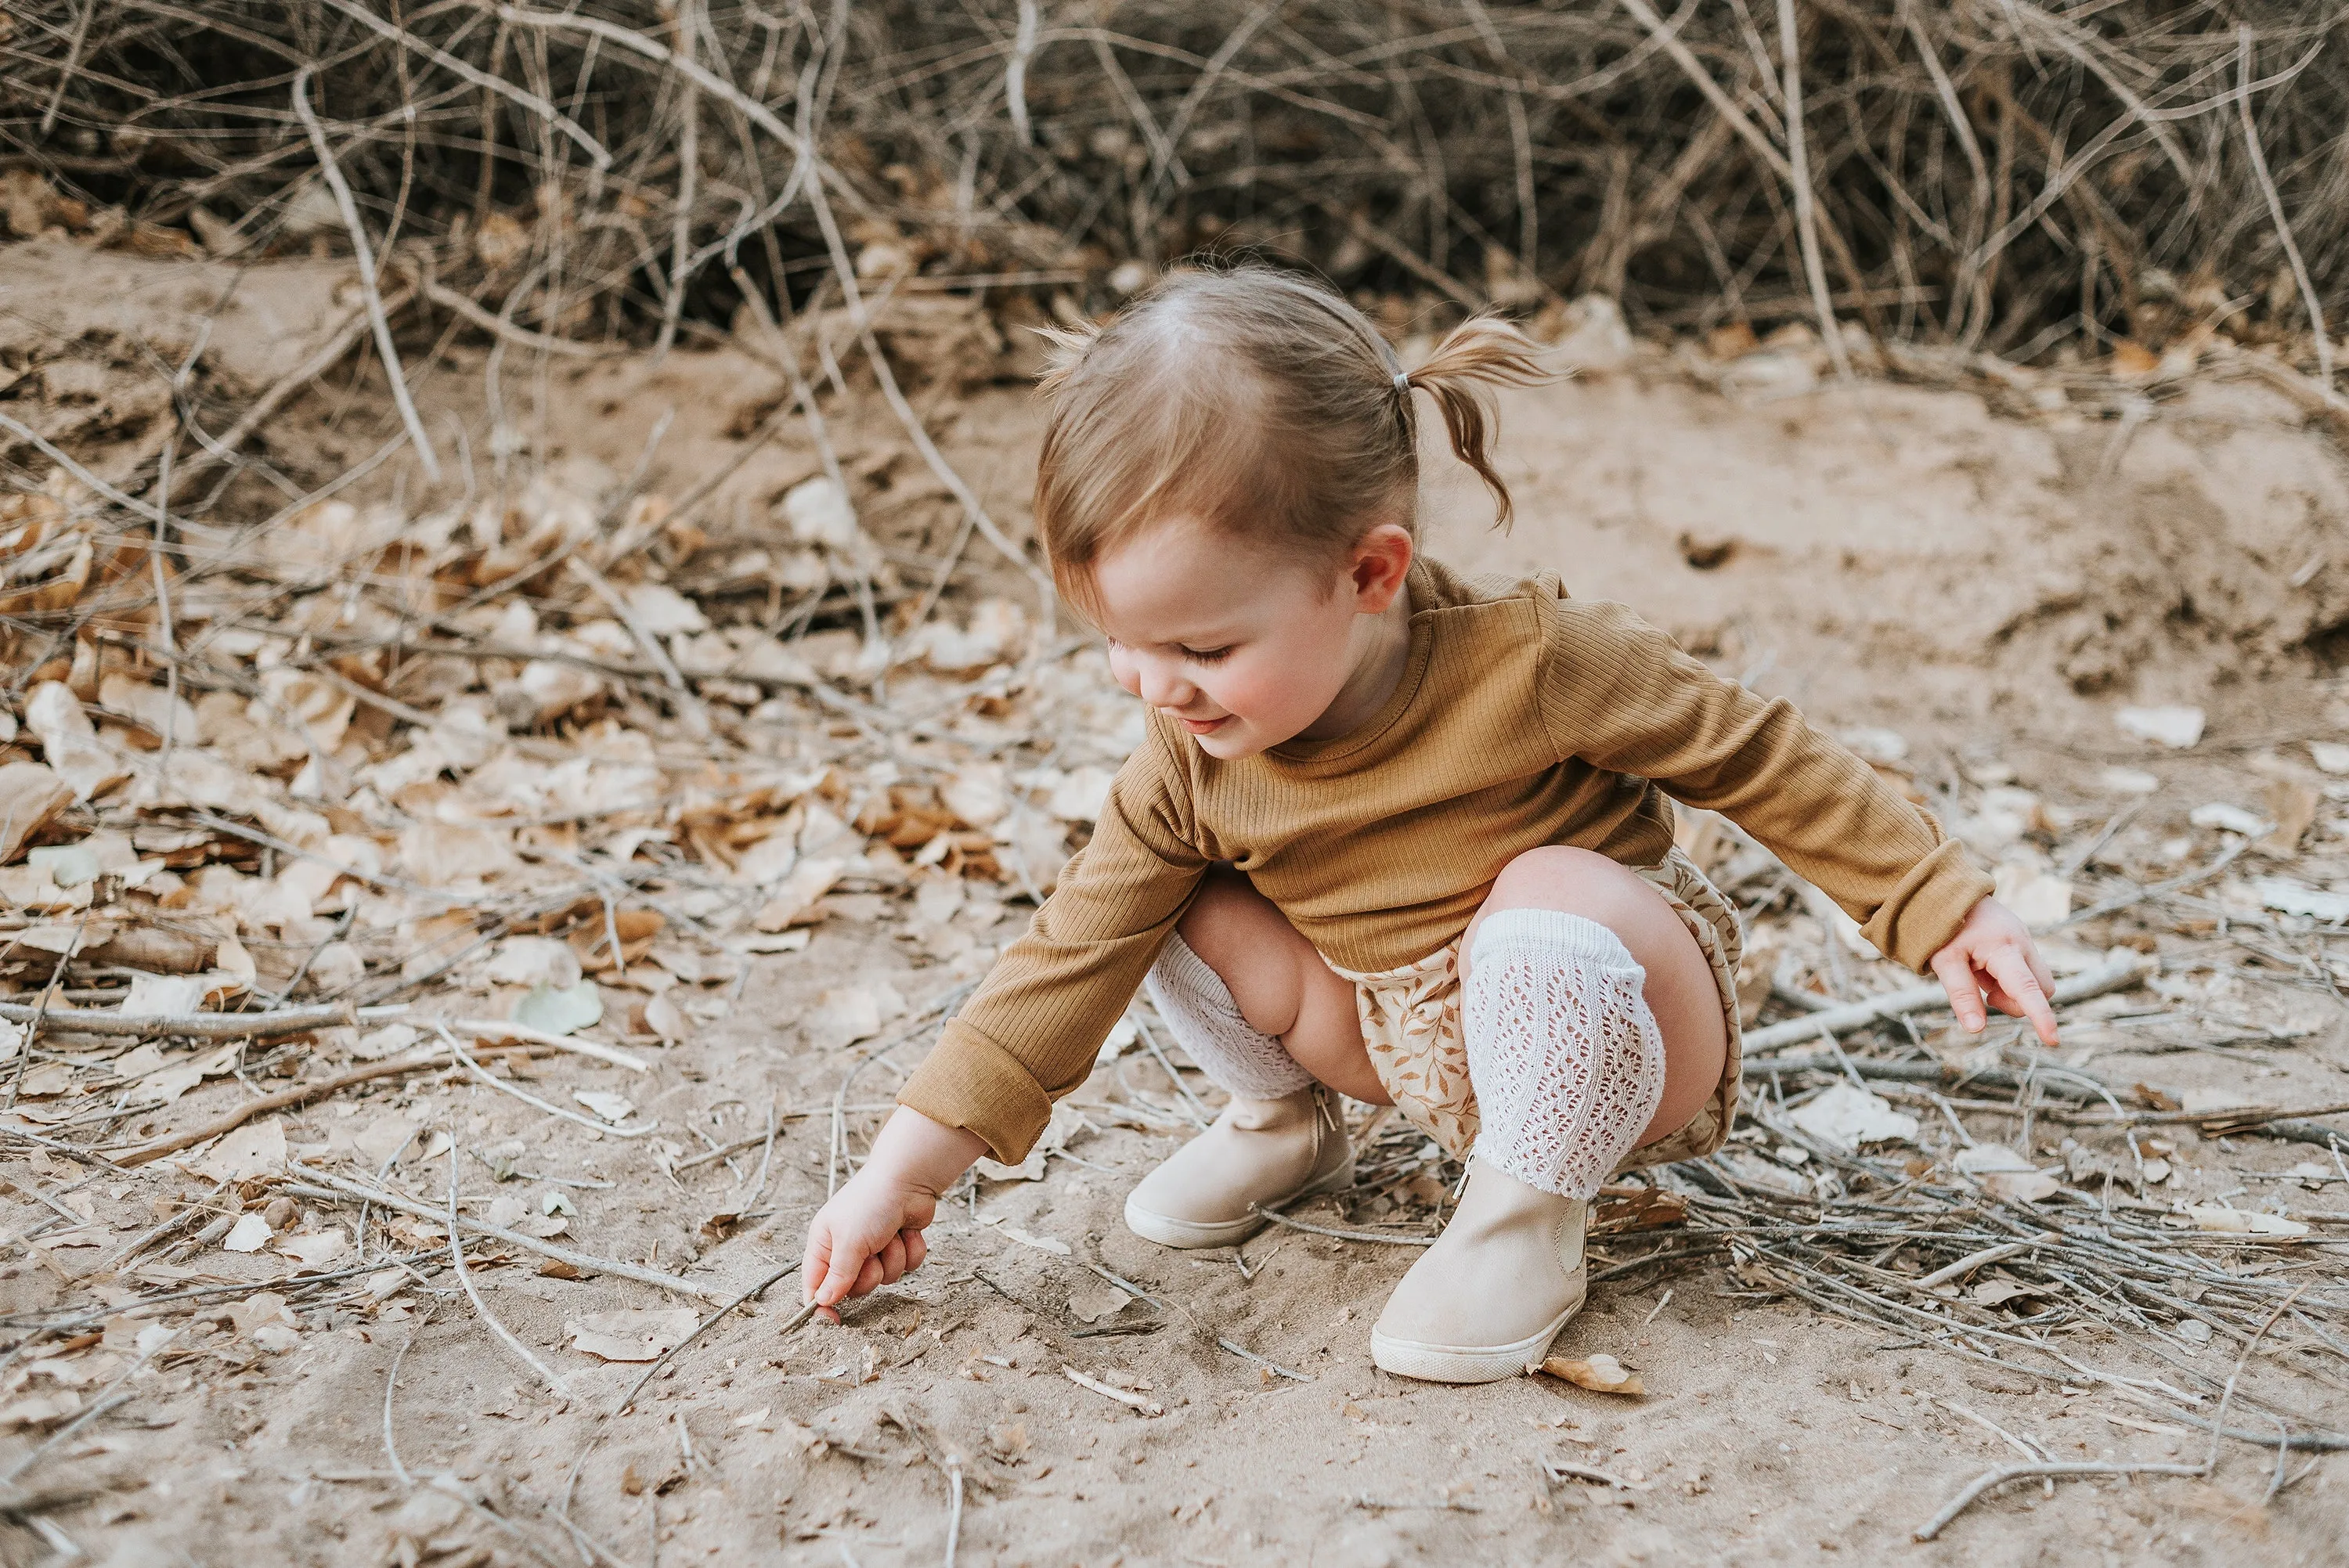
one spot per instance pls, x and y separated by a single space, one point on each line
1120 669
1265 687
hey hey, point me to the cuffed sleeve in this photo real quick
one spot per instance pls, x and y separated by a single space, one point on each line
969 1082
1920 914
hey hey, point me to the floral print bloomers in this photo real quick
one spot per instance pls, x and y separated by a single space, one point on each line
1410 1023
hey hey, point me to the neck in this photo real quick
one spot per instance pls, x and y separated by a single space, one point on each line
1380 647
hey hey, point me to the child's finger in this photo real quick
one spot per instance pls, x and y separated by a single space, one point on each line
2025 994
843 1269
815 1258
2038 961
815 1268
1956 972
918 1247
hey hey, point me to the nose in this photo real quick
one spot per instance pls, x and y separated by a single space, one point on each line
1160 687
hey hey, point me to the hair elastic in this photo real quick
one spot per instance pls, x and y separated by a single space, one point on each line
1402 383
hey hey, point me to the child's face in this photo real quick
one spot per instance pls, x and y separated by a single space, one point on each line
1243 646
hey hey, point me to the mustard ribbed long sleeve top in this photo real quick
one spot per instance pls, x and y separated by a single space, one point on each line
1523 718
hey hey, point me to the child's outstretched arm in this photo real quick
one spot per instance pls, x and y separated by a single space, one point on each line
1992 955
869 1233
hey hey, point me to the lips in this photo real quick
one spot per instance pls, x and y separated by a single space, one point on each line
1205 726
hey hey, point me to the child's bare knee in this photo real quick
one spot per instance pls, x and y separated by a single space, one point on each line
1579 882
1226 907
1243 936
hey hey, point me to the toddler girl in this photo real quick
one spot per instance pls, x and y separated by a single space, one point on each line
1391 832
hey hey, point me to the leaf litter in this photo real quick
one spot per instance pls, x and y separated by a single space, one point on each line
407 766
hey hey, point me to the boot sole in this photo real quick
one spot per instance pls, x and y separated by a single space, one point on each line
1191 1234
1468 1363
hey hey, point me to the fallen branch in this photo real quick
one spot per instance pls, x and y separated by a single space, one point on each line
206 1026
2289 1125
500 1029
1972 1261
2004 1473
2116 975
1111 1391
1343 1235
285 1099
553 1378
1245 1354
1567 1469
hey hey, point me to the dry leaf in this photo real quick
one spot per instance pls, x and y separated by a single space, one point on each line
977 796
1622 1210
632 1333
561 1012
163 996
793 903
2020 1186
316 1250
1059 1249
1601 1374
2220 817
848 1014
2176 727
818 511
1080 796
249 1234
256 1148
2038 897
40 1409
69 742
2218 1217
2293 806
260 1310
30 795
667 1019
1844 1116
1998 1292
610 1106
534 961
1095 1303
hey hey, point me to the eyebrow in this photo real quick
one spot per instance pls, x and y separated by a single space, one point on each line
1223 638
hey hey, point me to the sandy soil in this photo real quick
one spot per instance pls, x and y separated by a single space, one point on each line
1991 587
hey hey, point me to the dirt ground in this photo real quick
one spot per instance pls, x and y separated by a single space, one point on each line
1992 588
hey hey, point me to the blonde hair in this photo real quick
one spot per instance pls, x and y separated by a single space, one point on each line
1259 403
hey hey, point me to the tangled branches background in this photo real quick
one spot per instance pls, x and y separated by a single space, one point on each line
1994 174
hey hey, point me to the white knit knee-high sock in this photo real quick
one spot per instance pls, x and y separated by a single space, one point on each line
1564 1057
1237 1057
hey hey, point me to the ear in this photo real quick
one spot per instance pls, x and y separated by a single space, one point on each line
1376 566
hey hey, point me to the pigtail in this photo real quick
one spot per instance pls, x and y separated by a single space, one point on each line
1481 352
1067 351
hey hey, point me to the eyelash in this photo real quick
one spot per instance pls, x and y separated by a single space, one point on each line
1195 655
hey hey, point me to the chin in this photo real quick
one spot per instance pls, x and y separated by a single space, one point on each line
1228 748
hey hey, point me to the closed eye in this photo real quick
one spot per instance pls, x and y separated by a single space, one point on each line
1207 655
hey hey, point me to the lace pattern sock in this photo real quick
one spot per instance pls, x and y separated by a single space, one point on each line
1567 1061
1237 1057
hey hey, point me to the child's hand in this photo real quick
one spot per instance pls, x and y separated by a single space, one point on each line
870 1233
1993 953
